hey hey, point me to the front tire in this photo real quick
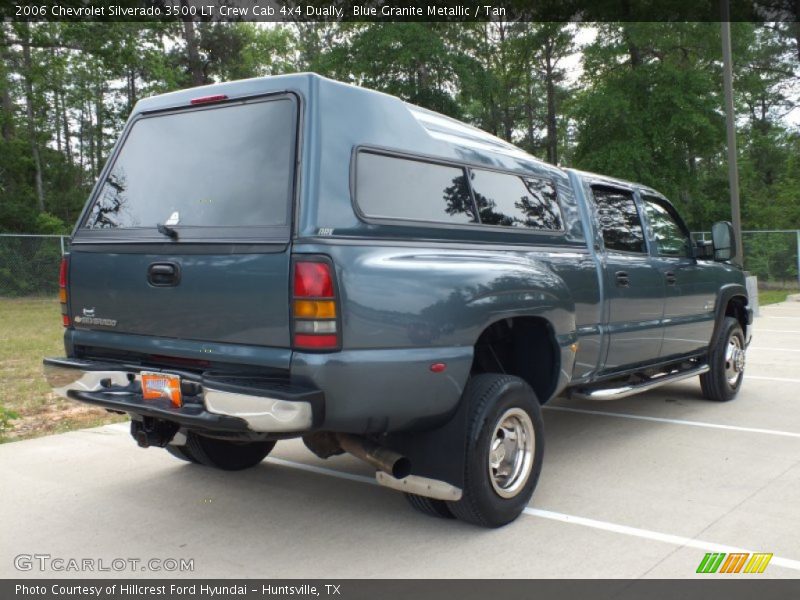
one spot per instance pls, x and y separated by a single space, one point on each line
726 358
504 453
224 454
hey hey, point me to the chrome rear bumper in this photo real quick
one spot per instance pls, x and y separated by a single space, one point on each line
242 403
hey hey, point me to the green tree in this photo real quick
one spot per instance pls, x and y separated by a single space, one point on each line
650 107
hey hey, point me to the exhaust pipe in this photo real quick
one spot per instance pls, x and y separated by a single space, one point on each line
383 459
394 470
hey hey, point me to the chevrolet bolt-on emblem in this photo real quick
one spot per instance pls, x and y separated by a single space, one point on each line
89 318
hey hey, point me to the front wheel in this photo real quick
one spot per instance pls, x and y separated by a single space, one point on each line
504 453
726 359
221 454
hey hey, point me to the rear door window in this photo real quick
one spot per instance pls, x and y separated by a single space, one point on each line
223 166
389 187
513 201
619 220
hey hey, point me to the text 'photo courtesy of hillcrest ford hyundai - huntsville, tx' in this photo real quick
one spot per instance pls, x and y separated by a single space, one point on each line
290 256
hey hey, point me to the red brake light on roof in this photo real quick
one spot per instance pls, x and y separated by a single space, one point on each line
208 99
313 280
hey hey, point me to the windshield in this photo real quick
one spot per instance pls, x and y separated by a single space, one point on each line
225 166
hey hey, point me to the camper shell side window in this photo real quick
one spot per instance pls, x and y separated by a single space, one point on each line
391 188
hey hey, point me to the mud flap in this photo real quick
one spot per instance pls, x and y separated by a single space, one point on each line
436 453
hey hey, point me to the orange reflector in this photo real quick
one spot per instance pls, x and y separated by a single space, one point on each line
62 296
162 385
315 309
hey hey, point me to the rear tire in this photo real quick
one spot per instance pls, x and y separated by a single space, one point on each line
225 454
504 450
726 358
430 506
181 452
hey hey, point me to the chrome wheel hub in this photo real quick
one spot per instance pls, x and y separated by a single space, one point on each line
734 360
511 452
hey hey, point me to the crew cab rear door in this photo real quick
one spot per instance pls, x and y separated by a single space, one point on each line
187 234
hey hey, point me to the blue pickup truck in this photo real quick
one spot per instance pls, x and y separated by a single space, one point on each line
291 257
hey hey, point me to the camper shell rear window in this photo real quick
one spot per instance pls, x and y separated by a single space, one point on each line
225 170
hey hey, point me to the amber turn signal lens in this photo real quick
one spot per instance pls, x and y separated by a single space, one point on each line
315 309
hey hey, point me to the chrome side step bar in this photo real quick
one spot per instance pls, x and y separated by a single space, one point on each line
625 390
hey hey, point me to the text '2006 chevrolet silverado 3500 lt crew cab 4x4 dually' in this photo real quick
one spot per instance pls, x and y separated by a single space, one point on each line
295 257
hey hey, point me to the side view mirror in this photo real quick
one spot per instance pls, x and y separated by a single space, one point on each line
704 250
724 242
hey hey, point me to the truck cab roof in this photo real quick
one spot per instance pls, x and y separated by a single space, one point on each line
597 178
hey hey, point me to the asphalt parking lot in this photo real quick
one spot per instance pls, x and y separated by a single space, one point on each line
641 487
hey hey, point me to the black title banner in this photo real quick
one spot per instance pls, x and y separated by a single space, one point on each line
390 589
401 10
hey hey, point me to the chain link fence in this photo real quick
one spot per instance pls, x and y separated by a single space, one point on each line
29 264
773 255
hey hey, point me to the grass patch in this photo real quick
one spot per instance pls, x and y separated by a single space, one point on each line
773 296
30 329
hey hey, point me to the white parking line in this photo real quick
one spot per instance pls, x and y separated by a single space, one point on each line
654 535
775 349
320 470
565 518
603 413
760 378
759 330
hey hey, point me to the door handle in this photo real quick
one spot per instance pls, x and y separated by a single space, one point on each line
623 279
163 274
670 276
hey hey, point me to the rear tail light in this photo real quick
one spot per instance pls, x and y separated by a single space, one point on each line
314 306
63 274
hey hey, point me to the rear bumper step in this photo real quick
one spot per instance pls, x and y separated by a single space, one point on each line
223 403
625 390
